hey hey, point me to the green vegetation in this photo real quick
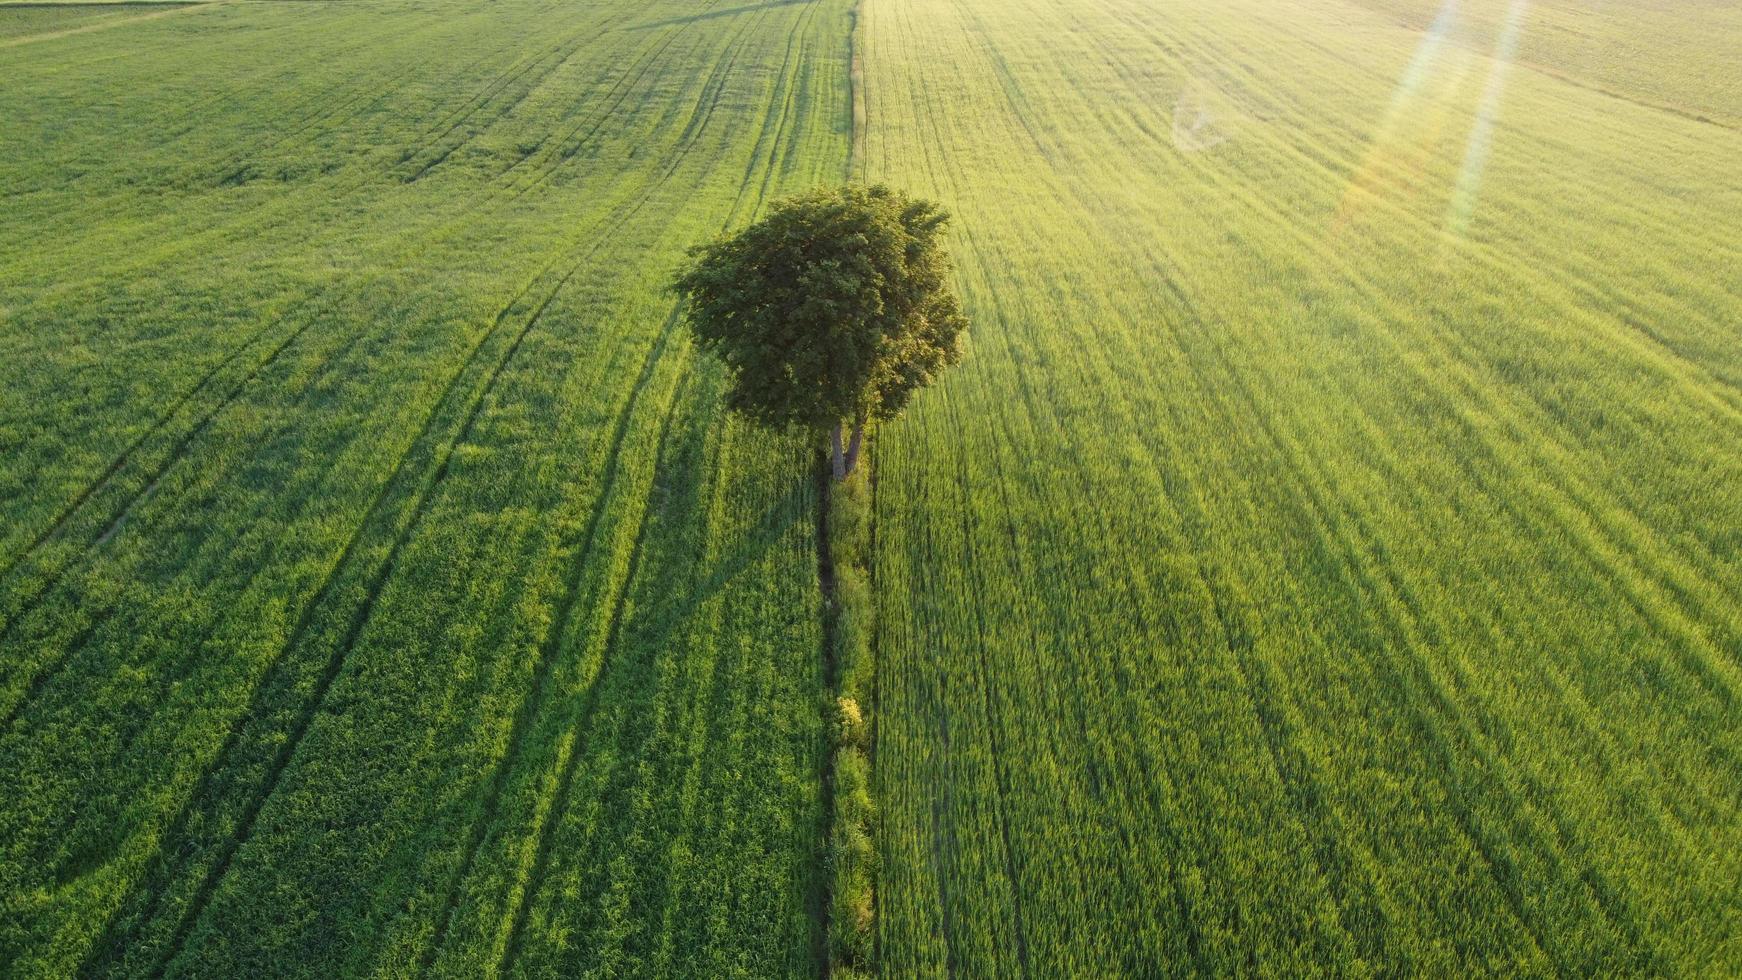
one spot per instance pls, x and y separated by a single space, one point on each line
829 312
852 853
19 25
1327 561
382 586
1330 557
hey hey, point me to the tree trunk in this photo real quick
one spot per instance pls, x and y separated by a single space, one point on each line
853 446
835 456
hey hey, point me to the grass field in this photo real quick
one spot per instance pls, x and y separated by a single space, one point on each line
1328 558
382 586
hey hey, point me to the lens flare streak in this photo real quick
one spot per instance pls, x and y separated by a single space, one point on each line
1481 140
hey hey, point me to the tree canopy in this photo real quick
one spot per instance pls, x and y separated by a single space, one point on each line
833 308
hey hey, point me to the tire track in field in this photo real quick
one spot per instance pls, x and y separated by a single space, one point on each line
1515 413
1232 635
1658 574
306 716
539 692
678 858
326 110
1619 915
387 484
1094 765
993 714
613 97
560 798
1240 645
533 705
943 839
951 177
1639 574
42 677
306 617
60 662
418 507
1431 735
783 83
1294 772
1382 82
1441 708
191 110
1324 159
444 454
175 453
695 124
56 664
776 122
653 713
564 149
1161 804
121 460
115 466
462 118
1298 787
249 820
1695 378
944 844
1521 787
601 116
362 176
180 447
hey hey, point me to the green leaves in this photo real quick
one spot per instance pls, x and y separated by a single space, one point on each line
834 306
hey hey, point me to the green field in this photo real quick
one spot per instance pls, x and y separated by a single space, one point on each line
1329 554
1327 559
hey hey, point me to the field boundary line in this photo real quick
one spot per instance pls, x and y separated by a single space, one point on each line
821 890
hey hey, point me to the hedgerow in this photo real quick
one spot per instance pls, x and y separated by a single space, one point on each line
852 851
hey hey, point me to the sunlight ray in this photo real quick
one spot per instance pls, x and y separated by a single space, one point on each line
1481 140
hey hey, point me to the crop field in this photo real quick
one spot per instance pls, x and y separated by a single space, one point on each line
1326 560
1329 556
381 585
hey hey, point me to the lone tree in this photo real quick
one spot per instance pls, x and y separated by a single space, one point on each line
829 312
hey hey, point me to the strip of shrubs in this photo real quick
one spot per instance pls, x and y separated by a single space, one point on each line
852 844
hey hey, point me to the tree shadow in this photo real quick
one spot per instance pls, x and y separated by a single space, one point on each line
761 538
